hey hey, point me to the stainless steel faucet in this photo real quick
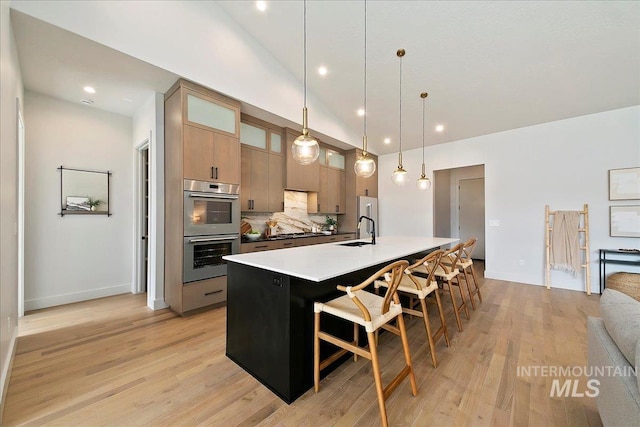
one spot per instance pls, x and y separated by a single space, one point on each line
373 228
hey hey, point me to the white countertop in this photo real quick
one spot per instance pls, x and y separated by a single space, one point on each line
325 261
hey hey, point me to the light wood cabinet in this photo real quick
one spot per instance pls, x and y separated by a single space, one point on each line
296 242
276 183
262 166
331 196
210 141
202 143
254 184
209 156
300 177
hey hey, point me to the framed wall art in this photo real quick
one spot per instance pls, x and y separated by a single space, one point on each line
624 221
624 184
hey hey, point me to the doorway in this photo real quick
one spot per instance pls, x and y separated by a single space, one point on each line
459 205
142 220
471 208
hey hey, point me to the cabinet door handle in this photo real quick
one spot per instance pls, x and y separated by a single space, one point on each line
252 204
216 172
366 192
212 173
212 293
318 207
249 204
261 246
283 206
337 208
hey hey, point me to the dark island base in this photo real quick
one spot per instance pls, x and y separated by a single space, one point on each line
270 325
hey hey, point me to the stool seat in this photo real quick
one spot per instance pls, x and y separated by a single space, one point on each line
345 308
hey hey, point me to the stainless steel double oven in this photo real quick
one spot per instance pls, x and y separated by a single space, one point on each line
211 228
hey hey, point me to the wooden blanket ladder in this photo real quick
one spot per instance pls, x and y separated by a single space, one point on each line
583 227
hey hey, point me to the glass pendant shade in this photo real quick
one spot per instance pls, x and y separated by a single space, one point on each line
399 176
305 149
423 183
365 166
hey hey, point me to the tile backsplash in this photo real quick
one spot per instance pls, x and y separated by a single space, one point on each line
294 219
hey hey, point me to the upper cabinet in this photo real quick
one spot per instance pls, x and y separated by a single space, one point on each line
211 150
331 195
210 113
300 177
262 166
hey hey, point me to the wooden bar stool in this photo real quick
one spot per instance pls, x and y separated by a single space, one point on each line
418 288
446 273
465 264
373 312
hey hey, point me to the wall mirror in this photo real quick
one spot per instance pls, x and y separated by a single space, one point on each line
84 192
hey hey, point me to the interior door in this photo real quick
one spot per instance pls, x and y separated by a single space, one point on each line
471 213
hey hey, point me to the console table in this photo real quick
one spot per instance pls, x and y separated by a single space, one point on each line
635 255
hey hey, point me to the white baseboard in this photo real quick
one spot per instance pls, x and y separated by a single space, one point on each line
535 280
37 303
6 371
158 304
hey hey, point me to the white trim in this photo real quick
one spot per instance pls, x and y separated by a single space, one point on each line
6 372
158 304
44 302
137 285
21 183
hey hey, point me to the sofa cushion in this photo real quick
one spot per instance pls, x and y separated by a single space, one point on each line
621 316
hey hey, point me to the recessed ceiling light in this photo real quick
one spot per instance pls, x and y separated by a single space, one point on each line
387 140
89 89
261 5
439 128
86 101
360 112
322 70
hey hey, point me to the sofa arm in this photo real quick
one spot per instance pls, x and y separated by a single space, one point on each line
618 399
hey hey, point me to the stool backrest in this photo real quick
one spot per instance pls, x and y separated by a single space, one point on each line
468 248
453 256
430 263
392 274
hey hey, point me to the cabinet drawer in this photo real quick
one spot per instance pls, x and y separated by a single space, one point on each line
204 292
255 247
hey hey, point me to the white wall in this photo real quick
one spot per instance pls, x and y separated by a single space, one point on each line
10 90
75 258
564 164
148 124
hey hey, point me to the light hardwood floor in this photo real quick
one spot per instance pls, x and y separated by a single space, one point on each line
114 362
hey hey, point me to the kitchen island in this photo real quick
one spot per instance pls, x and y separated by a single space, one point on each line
270 299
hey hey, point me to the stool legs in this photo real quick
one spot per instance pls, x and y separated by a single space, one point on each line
475 282
466 281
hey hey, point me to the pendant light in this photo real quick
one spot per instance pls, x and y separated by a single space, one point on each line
399 176
365 166
423 183
305 148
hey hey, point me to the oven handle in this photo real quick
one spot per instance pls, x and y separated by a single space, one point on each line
214 196
213 239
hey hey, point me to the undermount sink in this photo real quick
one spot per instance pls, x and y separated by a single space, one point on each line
355 243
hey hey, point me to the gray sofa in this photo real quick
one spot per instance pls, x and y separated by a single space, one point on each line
614 340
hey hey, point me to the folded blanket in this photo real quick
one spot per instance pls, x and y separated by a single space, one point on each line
565 242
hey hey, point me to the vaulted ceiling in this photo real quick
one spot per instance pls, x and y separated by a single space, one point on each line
487 66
